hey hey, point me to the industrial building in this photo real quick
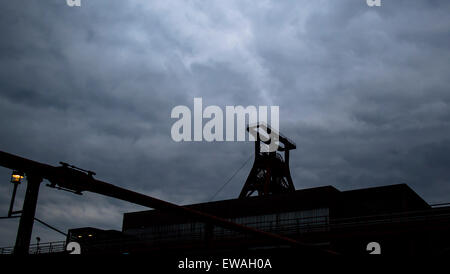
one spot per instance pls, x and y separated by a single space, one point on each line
346 222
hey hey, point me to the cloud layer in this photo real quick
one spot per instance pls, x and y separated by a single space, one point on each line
364 92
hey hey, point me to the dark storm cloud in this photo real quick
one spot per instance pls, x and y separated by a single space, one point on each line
363 91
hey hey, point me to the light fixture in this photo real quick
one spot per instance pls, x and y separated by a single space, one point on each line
16 177
90 235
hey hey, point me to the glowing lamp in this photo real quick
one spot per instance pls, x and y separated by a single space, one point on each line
16 177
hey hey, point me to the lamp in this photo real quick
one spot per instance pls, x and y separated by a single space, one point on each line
16 177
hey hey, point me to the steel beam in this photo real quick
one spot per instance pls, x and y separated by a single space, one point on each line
27 218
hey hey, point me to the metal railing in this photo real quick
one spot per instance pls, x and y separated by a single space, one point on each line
6 250
44 248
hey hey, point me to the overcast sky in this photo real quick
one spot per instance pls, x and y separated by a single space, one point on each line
364 92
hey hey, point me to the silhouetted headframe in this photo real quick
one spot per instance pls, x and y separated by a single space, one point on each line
270 173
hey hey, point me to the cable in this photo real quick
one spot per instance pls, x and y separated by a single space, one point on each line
9 217
231 178
42 222
51 227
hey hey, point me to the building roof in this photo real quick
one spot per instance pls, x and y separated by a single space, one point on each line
377 200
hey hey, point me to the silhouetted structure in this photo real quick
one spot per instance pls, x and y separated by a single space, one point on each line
270 173
344 221
76 180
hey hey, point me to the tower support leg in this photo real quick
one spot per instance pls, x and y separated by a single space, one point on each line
27 219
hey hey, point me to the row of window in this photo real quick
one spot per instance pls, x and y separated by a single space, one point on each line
283 223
